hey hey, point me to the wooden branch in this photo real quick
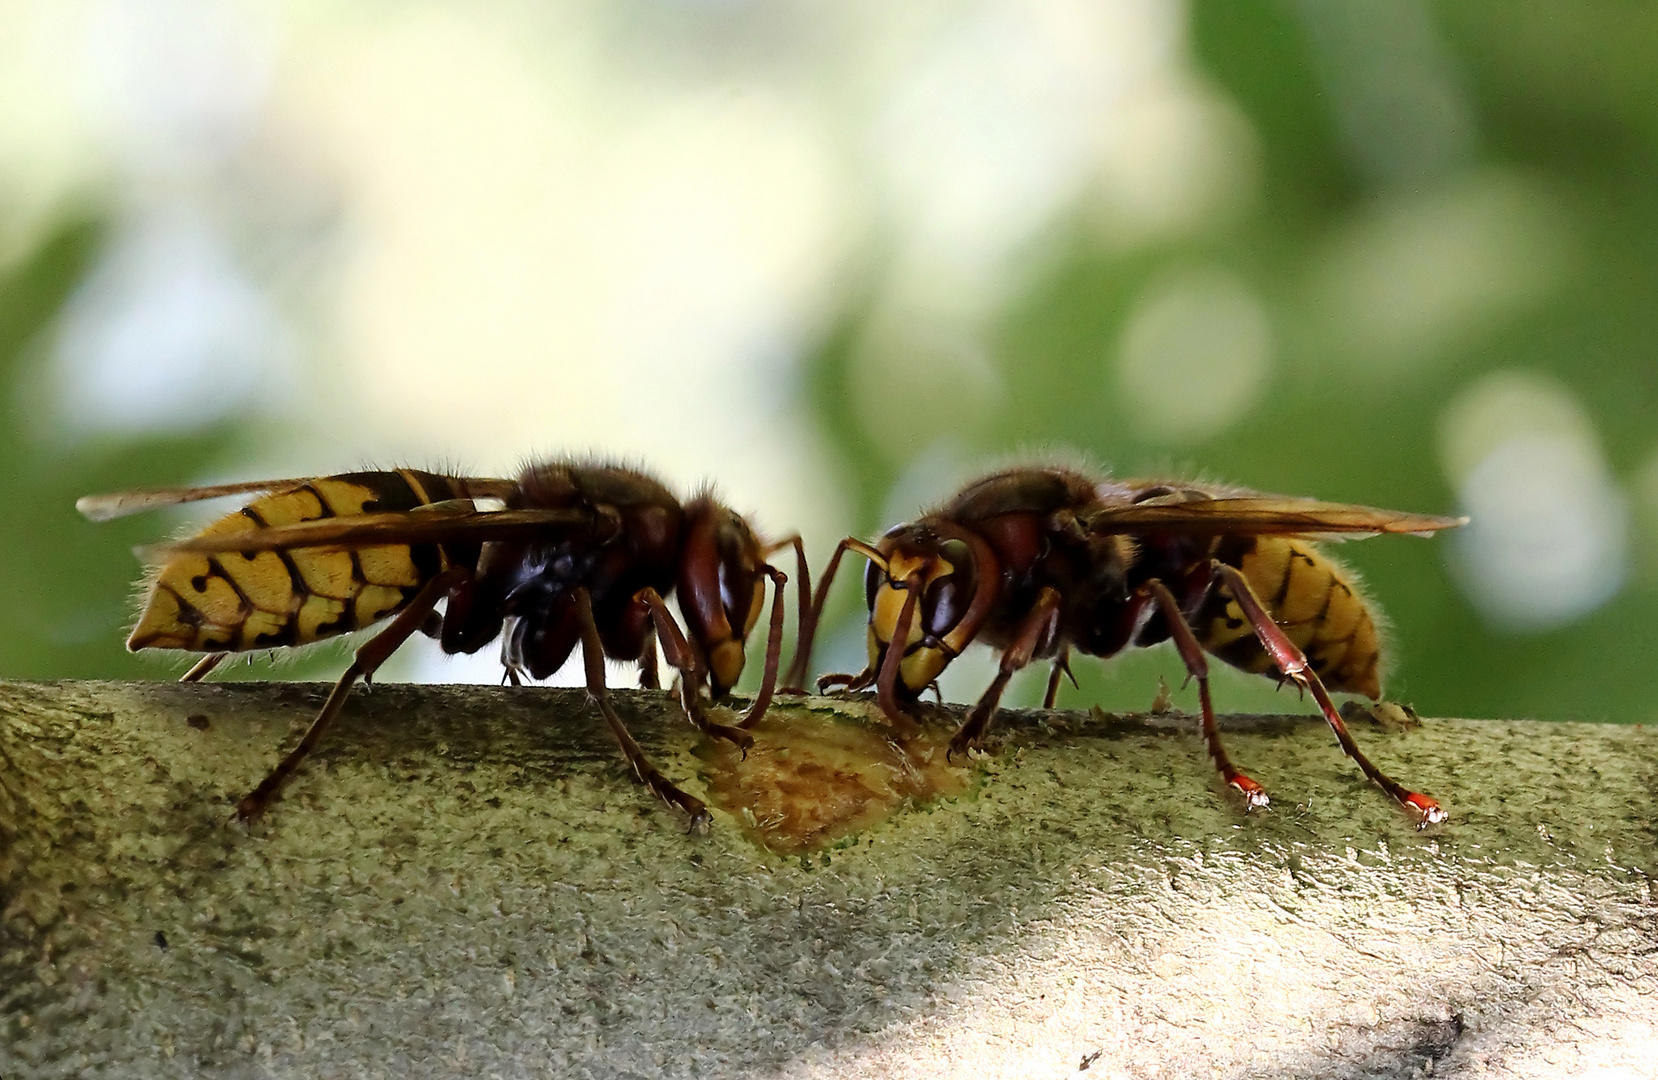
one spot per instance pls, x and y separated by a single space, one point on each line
467 882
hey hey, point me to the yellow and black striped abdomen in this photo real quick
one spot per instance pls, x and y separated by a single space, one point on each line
234 601
1315 601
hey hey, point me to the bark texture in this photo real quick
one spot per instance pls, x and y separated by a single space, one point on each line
467 882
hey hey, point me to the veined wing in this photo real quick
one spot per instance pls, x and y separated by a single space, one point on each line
444 523
117 504
1263 515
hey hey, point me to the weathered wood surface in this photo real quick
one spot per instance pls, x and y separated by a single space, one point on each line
466 882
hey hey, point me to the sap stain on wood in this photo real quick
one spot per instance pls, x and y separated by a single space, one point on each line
813 778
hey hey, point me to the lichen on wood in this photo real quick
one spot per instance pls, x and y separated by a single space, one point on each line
467 881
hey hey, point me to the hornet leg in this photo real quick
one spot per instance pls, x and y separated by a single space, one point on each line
367 660
1039 626
683 658
592 656
1294 666
1197 666
202 667
1062 666
649 677
774 647
804 583
794 683
886 681
847 681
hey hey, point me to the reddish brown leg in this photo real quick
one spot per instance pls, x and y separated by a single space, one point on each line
1293 664
206 664
774 646
682 657
649 677
796 680
886 682
592 656
803 582
1062 666
1037 627
364 664
1197 666
846 680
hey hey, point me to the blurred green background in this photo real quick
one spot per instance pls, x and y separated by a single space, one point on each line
1403 255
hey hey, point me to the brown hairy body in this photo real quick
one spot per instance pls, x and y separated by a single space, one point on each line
1039 562
579 554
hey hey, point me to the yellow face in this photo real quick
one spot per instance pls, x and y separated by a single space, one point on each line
921 663
755 606
726 657
726 660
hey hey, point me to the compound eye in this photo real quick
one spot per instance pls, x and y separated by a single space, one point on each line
742 595
947 599
754 608
873 576
728 595
943 605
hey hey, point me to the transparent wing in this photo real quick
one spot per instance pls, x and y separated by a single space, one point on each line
1264 514
442 523
117 504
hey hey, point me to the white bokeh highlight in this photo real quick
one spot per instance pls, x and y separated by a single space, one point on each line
1195 355
1549 537
167 334
531 234
1423 273
1394 87
176 84
1014 117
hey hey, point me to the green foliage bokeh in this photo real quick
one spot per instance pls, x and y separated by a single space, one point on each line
1561 95
1560 98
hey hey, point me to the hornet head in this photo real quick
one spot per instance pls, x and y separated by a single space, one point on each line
722 586
930 587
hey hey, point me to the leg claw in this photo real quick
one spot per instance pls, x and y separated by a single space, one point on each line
1432 813
1254 795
